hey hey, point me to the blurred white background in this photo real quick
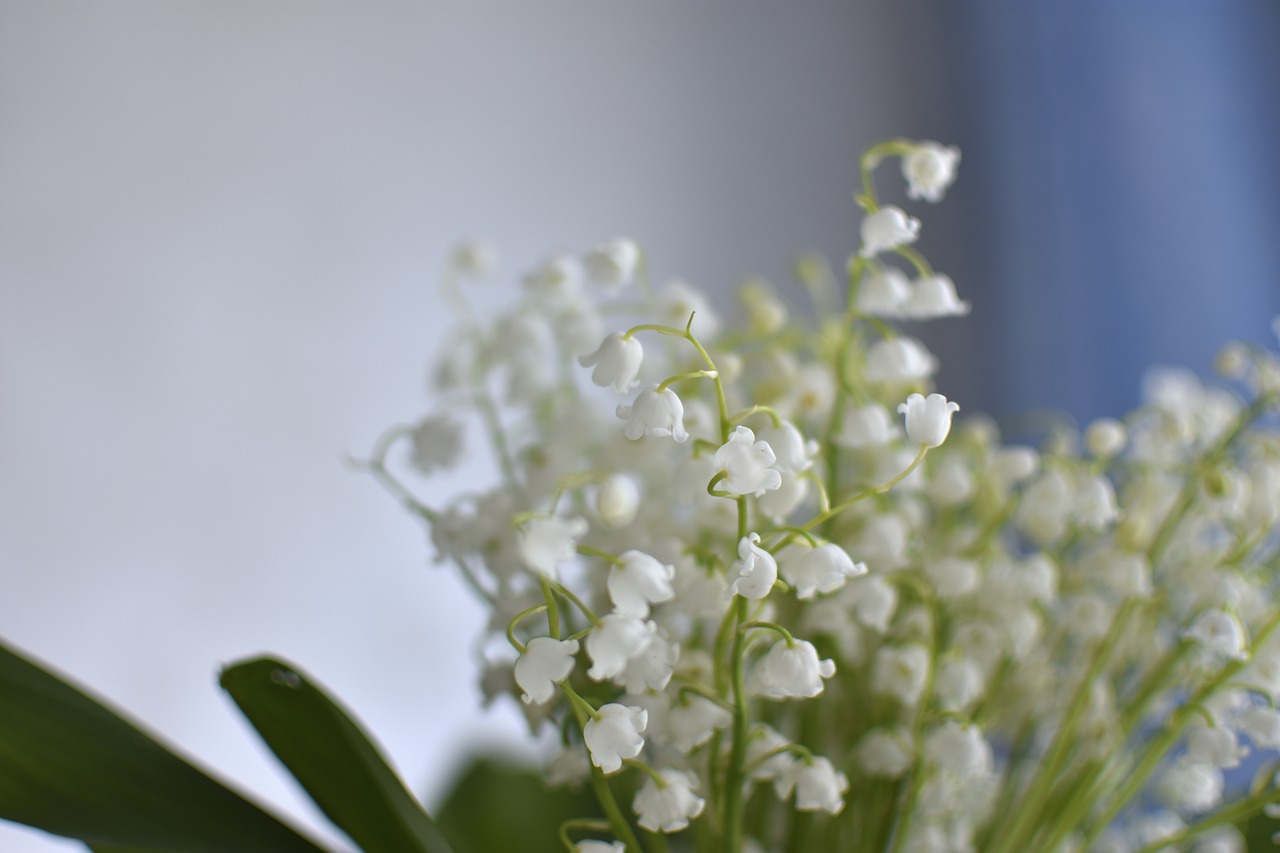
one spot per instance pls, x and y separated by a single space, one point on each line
220 229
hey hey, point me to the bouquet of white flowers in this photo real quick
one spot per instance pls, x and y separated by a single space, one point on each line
764 613
761 596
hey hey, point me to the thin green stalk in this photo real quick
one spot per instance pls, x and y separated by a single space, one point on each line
604 794
735 782
1029 813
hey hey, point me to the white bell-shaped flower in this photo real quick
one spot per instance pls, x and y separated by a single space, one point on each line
887 228
755 572
883 292
654 413
1190 787
951 482
615 641
437 443
897 360
874 602
668 807
1094 506
617 362
763 741
677 300
792 454
951 577
638 581
612 264
1105 437
1216 745
617 501
544 663
791 671
928 418
959 748
547 541
932 297
867 426
594 845
885 752
652 668
748 464
556 280
693 720
929 169
778 504
1262 725
958 684
617 733
1220 633
473 258
820 569
901 672
818 786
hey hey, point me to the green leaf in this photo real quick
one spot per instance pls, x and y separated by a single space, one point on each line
71 766
332 757
531 812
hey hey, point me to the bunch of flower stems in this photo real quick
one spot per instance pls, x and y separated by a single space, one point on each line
765 598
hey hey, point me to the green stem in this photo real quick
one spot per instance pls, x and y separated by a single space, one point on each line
874 490
735 782
1028 817
604 794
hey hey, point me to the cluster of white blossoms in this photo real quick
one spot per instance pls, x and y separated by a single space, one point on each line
764 599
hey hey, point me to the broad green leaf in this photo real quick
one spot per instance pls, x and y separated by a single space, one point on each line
531 812
71 766
332 758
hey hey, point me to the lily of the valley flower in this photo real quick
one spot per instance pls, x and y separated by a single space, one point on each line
818 786
544 663
899 360
670 806
613 264
930 168
638 581
791 671
692 721
884 292
934 296
547 541
617 501
792 453
887 228
617 362
755 572
928 418
616 734
748 464
654 413
616 641
593 845
823 568
437 443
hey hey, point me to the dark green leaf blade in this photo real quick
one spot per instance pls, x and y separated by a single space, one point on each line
71 766
531 811
332 758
